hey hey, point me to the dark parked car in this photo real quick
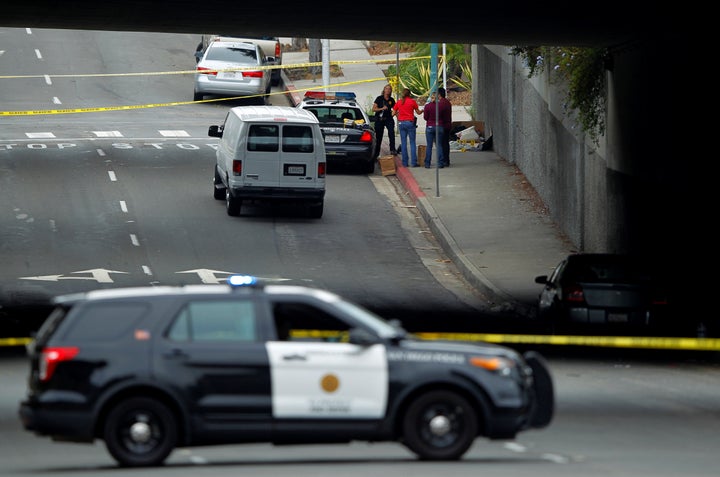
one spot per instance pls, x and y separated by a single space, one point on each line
608 291
147 370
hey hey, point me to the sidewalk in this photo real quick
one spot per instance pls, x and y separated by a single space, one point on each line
479 209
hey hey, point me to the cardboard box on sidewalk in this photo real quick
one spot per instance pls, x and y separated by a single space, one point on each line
422 150
387 165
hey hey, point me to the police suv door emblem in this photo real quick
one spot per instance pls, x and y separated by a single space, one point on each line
329 383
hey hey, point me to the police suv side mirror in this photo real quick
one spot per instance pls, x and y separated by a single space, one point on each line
362 337
215 131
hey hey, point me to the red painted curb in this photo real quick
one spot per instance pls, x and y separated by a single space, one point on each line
408 180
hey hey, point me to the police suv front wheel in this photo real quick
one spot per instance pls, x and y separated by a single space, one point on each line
440 425
140 432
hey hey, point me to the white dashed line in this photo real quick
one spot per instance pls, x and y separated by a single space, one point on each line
146 270
28 31
47 79
107 133
40 135
558 459
515 447
56 100
38 54
112 176
134 240
123 206
53 227
174 133
100 152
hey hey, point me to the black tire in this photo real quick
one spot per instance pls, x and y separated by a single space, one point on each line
218 192
232 204
440 425
140 432
370 167
198 96
315 211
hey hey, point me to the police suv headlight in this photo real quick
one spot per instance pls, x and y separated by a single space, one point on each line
496 364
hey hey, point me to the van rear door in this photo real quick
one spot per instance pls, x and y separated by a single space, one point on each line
299 156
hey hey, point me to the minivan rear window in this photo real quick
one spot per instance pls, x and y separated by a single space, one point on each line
297 139
263 138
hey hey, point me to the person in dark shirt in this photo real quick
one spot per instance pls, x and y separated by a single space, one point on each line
383 119
445 122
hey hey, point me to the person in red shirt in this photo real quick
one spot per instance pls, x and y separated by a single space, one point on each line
405 109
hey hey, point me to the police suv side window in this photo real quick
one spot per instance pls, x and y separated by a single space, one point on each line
304 322
234 320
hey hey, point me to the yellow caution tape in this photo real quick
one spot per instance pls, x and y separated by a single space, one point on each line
14 341
639 342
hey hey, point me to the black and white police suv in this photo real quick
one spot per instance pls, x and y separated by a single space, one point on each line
147 370
349 136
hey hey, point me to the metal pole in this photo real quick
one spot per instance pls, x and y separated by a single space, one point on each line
326 64
433 89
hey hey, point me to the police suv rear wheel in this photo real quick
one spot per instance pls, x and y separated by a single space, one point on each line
140 432
440 425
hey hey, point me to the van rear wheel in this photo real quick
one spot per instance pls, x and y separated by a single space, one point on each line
315 211
232 204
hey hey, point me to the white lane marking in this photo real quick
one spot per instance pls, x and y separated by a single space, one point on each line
39 135
174 133
100 152
2 51
146 270
56 100
134 240
38 54
53 227
558 459
112 176
107 133
123 206
515 447
47 79
28 31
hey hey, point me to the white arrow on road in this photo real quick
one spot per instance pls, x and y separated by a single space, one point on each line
100 275
208 276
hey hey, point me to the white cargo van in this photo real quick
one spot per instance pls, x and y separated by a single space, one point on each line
270 153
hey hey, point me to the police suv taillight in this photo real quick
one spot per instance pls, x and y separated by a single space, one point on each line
51 357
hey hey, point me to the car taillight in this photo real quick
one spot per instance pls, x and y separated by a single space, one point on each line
574 293
51 357
252 74
321 169
237 168
277 51
206 71
366 136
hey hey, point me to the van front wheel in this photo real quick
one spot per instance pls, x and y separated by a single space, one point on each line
232 204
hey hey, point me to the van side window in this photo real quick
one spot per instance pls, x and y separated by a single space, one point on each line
263 138
297 139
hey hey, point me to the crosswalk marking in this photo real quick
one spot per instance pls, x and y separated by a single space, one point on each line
40 135
107 133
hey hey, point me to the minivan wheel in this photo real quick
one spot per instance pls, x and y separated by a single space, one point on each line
140 432
440 425
232 204
218 187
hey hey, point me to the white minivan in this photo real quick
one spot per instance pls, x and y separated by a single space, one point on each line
272 153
